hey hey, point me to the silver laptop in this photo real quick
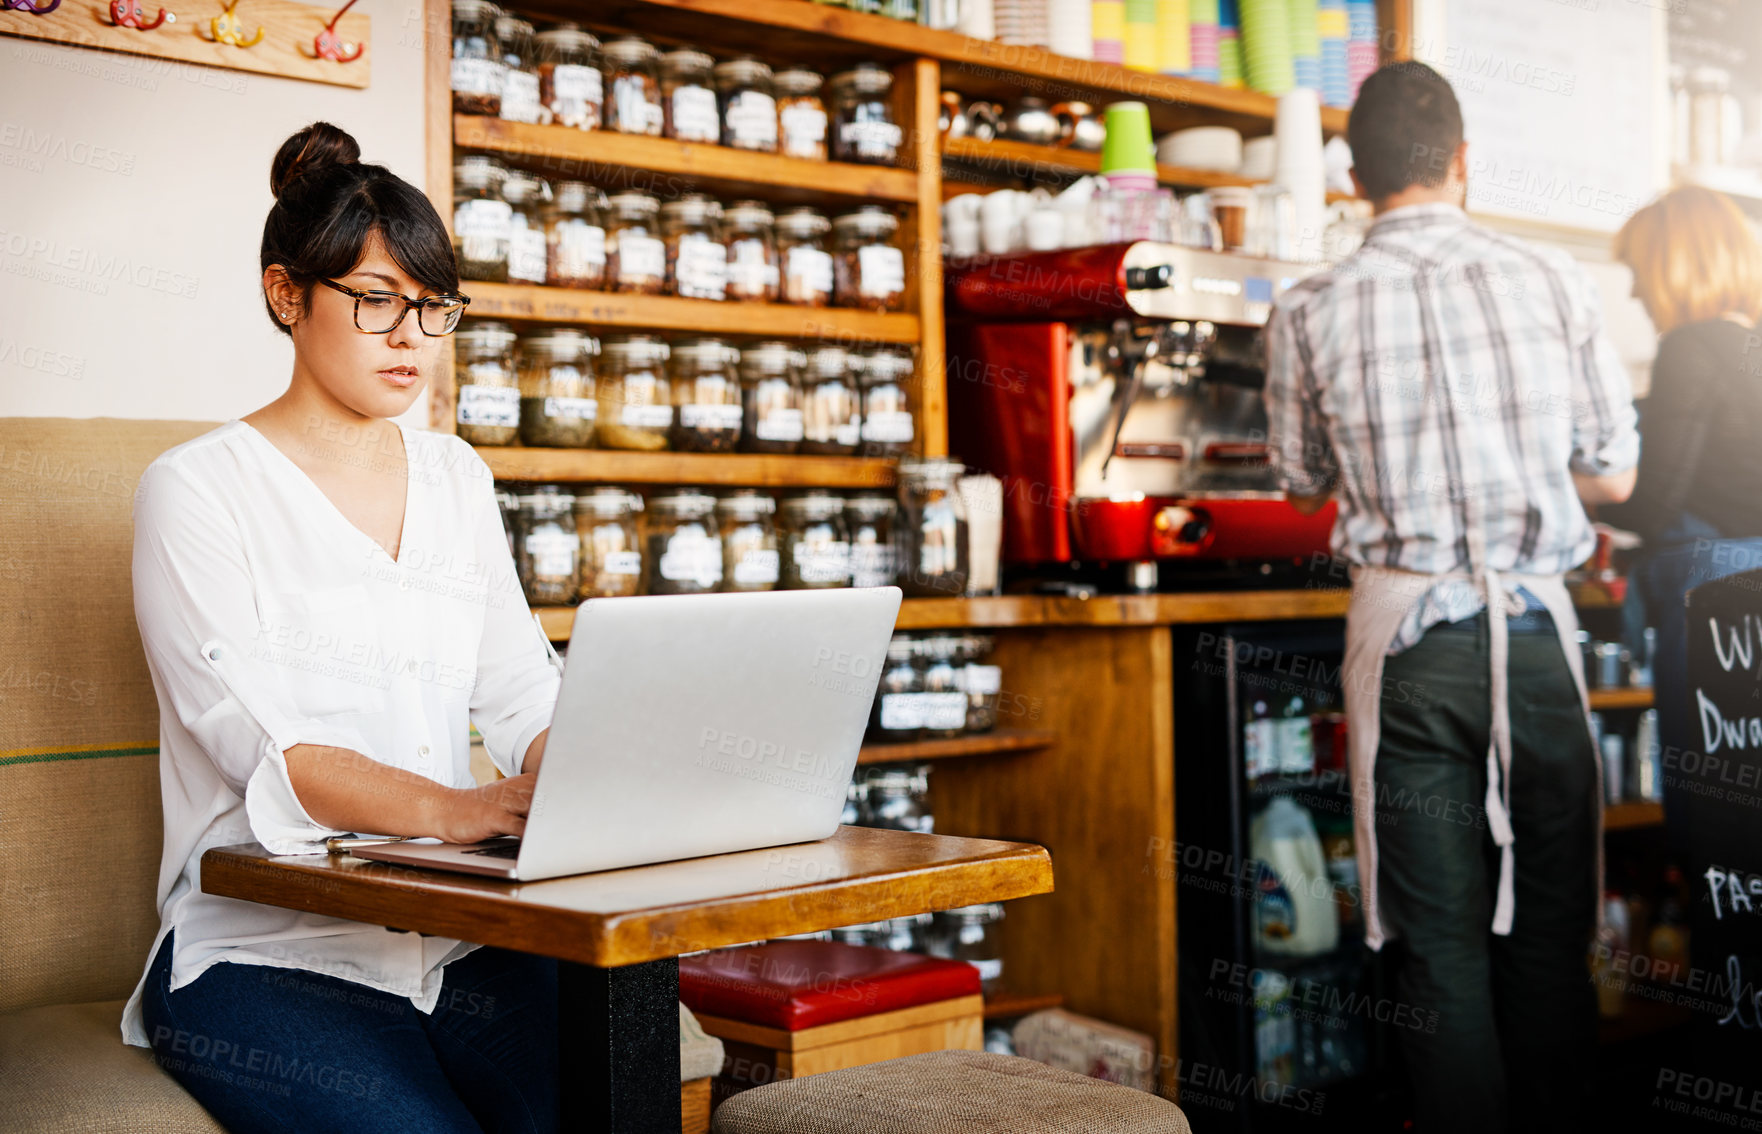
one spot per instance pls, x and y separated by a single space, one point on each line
692 725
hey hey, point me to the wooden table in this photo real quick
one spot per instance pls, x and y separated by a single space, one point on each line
618 934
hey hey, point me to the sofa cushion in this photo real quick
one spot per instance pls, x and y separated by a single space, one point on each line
68 1071
805 984
79 768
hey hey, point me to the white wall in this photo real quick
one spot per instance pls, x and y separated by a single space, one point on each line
132 198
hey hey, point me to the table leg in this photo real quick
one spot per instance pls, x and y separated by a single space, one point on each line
618 1039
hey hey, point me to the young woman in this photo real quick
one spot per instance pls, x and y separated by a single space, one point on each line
327 601
1698 501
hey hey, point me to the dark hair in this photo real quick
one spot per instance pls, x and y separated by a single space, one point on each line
328 203
1404 129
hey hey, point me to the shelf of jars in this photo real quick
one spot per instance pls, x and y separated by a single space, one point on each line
539 303
717 470
1003 159
995 743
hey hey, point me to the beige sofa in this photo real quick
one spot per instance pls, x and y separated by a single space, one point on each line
79 788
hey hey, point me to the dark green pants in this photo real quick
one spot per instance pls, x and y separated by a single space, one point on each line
1515 1016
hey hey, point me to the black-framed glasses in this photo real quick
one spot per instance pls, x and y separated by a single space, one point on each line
377 312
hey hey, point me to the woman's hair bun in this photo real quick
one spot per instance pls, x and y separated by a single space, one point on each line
316 147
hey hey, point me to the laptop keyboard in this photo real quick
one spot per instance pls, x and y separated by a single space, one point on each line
499 850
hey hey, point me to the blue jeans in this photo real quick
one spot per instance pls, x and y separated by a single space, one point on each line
286 1051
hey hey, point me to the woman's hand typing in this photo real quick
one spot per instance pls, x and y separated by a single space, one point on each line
471 815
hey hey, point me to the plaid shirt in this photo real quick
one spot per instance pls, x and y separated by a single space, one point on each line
1442 378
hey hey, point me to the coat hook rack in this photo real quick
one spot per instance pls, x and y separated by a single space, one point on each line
130 14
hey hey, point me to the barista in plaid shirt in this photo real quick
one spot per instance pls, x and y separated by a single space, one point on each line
1453 389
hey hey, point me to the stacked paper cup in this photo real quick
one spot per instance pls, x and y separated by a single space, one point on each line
1229 44
1266 45
1332 24
1021 22
1107 26
1174 53
1305 45
1203 39
1068 24
977 19
1299 169
1361 44
1141 35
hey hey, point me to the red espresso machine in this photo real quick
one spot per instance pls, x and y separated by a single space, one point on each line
1115 390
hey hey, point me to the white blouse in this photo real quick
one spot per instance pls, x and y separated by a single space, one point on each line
270 620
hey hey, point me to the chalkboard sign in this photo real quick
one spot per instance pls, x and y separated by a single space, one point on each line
1715 794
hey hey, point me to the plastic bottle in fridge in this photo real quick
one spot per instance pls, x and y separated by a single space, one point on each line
1294 911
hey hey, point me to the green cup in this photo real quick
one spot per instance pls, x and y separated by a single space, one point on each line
1128 147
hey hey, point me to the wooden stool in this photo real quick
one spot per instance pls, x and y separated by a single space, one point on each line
792 1008
949 1092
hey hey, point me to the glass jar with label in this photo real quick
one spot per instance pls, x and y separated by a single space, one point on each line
868 270
636 400
886 377
801 250
816 548
636 258
477 69
697 261
945 700
633 87
488 389
750 560
898 714
801 114
684 548
528 198
549 550
983 683
749 234
863 129
899 801
869 517
611 553
831 407
483 223
570 85
557 403
968 933
749 109
706 397
932 529
519 72
770 398
688 96
575 236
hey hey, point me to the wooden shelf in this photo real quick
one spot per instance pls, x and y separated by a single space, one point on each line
1024 162
1121 610
1634 698
538 304
994 743
1003 1005
561 151
1632 816
722 470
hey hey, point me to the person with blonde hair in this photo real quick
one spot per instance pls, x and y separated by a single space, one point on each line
1697 502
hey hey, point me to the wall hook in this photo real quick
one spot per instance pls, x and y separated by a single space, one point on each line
29 6
227 28
130 14
327 44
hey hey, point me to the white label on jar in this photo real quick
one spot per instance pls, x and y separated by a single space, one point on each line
572 409
888 426
945 711
576 83
848 433
493 219
882 268
622 563
748 271
701 269
646 417
694 115
489 405
780 425
870 138
520 97
984 680
902 711
871 565
552 551
823 562
752 119
692 556
804 129
811 266
581 248
630 97
709 417
477 76
641 258
526 255
988 970
757 567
